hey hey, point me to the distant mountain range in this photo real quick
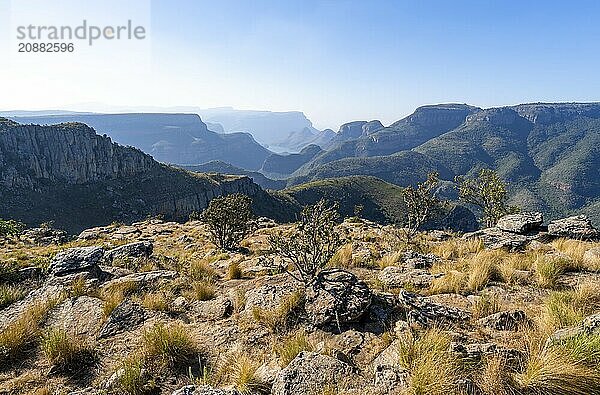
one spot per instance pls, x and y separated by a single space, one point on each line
548 152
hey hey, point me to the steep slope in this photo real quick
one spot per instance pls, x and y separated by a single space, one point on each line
381 201
226 168
404 168
279 165
169 138
425 123
70 175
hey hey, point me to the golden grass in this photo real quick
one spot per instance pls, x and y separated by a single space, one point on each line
453 281
170 345
549 268
22 334
567 308
113 296
10 294
509 268
289 347
486 305
390 259
158 301
494 378
238 369
64 351
433 369
234 271
132 380
279 319
200 270
574 249
457 248
201 290
342 258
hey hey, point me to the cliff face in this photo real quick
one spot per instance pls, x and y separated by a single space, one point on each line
72 176
71 153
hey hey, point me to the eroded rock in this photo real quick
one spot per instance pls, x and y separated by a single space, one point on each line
76 260
521 223
578 227
420 311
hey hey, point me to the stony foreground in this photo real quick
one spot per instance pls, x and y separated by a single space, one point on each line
154 308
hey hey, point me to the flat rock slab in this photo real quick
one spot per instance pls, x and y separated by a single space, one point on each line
76 260
82 316
521 223
578 227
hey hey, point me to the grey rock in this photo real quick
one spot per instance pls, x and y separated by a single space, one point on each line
415 260
398 277
388 373
203 390
124 317
309 373
44 236
268 296
521 223
215 309
76 260
505 320
140 249
495 238
143 278
336 297
475 352
420 311
578 227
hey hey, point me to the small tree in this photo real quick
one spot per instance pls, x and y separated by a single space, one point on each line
312 243
228 219
488 192
421 202
10 228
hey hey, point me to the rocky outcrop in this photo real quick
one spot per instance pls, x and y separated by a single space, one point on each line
422 312
140 249
71 153
521 223
336 298
578 227
505 320
76 260
310 372
503 116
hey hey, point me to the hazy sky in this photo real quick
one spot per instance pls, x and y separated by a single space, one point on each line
335 60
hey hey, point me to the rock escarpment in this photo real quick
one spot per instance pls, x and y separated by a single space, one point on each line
70 175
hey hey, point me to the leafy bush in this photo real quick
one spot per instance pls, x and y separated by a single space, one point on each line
228 219
489 193
421 203
10 228
313 242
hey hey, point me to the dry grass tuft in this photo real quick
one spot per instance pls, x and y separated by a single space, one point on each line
10 294
549 268
390 259
292 345
169 345
280 319
457 248
486 305
234 271
568 308
158 301
433 369
65 352
201 290
342 258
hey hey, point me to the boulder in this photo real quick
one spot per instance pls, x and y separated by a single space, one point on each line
592 257
44 236
76 260
215 309
505 320
496 238
203 390
415 260
590 325
398 277
310 372
420 311
389 375
475 352
521 223
140 249
143 278
81 317
578 227
124 317
336 297
268 297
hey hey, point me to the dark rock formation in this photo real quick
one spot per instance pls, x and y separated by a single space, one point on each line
505 320
76 260
578 227
336 298
422 312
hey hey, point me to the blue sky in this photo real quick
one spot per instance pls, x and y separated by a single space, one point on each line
335 60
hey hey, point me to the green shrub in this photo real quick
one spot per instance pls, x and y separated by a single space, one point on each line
228 219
